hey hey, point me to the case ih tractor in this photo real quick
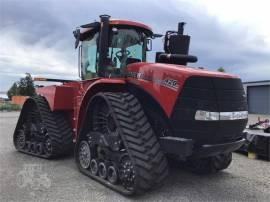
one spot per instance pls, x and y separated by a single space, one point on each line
126 116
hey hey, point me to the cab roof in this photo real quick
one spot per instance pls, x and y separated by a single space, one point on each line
95 26
131 23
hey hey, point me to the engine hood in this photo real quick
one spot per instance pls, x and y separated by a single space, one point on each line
179 70
164 82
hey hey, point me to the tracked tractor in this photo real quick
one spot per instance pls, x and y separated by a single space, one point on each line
127 116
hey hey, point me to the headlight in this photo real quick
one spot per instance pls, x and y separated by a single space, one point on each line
233 115
215 116
206 116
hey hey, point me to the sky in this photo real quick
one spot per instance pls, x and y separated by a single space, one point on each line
36 35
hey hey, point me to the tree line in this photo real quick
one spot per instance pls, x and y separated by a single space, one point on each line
24 87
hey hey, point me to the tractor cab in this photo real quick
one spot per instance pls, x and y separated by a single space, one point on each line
108 46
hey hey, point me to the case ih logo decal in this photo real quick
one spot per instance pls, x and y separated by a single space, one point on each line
167 82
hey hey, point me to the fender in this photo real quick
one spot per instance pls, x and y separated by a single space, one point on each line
59 97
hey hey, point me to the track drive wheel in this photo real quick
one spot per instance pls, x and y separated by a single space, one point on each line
125 153
210 164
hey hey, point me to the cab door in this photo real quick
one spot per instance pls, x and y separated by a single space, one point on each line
88 57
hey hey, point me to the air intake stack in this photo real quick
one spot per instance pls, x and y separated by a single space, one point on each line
176 47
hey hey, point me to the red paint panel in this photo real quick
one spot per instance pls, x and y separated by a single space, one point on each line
130 23
58 97
152 74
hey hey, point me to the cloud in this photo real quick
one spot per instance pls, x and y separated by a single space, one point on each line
38 57
18 57
36 35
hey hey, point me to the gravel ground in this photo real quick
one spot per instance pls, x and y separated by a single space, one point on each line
27 178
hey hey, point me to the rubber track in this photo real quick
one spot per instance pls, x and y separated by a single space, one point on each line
140 141
210 164
58 129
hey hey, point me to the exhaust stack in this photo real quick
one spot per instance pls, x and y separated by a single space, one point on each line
103 42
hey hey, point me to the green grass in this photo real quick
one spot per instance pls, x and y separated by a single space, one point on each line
9 107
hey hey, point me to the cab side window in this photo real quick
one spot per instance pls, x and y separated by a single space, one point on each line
89 57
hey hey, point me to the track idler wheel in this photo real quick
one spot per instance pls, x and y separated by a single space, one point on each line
20 140
84 154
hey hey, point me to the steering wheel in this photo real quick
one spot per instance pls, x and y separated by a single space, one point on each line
122 54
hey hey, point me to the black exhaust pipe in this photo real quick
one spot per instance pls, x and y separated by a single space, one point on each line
181 28
103 44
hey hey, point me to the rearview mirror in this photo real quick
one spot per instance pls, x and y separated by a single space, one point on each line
148 44
77 33
157 36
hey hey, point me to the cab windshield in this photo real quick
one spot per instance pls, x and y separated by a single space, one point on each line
126 46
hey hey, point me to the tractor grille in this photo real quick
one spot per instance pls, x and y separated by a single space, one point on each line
209 94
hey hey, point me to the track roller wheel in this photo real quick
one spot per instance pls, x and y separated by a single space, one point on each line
33 147
102 170
112 174
94 167
39 148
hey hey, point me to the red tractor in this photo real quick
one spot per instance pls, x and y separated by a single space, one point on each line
126 116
